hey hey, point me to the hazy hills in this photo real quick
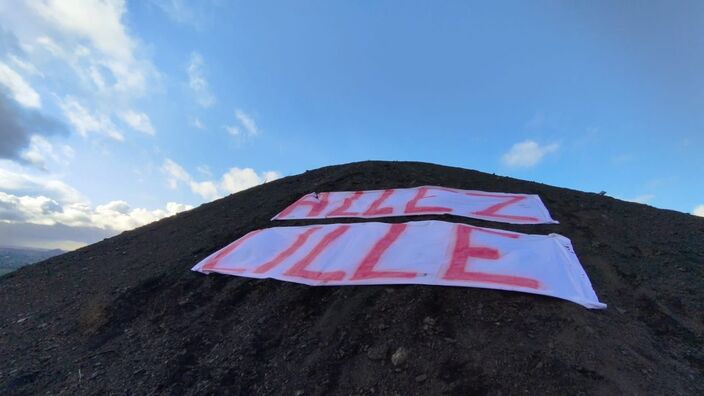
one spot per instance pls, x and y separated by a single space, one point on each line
12 258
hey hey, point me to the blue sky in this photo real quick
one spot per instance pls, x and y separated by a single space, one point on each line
117 113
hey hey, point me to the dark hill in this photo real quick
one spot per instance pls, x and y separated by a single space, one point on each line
127 316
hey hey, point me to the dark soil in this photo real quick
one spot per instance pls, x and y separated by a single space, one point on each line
127 316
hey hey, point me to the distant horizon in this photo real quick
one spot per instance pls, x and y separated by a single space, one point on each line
30 248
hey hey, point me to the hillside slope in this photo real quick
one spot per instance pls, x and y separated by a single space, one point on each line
127 316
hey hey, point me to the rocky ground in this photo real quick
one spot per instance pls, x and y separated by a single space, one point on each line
127 316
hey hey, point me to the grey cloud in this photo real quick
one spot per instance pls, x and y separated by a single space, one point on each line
10 212
38 235
18 124
50 207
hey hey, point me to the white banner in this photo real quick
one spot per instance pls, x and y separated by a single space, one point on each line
425 200
422 252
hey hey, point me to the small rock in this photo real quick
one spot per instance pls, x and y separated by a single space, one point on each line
421 378
377 352
400 356
299 392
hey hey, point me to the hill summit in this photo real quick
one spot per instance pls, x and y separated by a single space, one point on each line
127 316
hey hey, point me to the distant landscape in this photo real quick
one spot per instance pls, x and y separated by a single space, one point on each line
12 258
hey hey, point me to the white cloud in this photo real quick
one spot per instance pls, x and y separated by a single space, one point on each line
527 153
26 66
184 12
271 176
246 126
86 52
698 210
21 91
237 179
234 180
119 216
68 152
175 172
206 189
197 81
41 150
19 183
247 122
90 36
27 199
643 199
204 170
100 22
114 215
195 122
232 130
84 122
138 121
50 45
173 208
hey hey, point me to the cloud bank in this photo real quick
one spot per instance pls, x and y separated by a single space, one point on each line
527 153
234 180
18 124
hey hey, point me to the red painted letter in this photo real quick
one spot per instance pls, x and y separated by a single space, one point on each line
300 240
412 205
213 262
463 250
299 269
317 205
341 211
491 211
365 270
375 210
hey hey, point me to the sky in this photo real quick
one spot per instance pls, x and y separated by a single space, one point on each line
117 113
